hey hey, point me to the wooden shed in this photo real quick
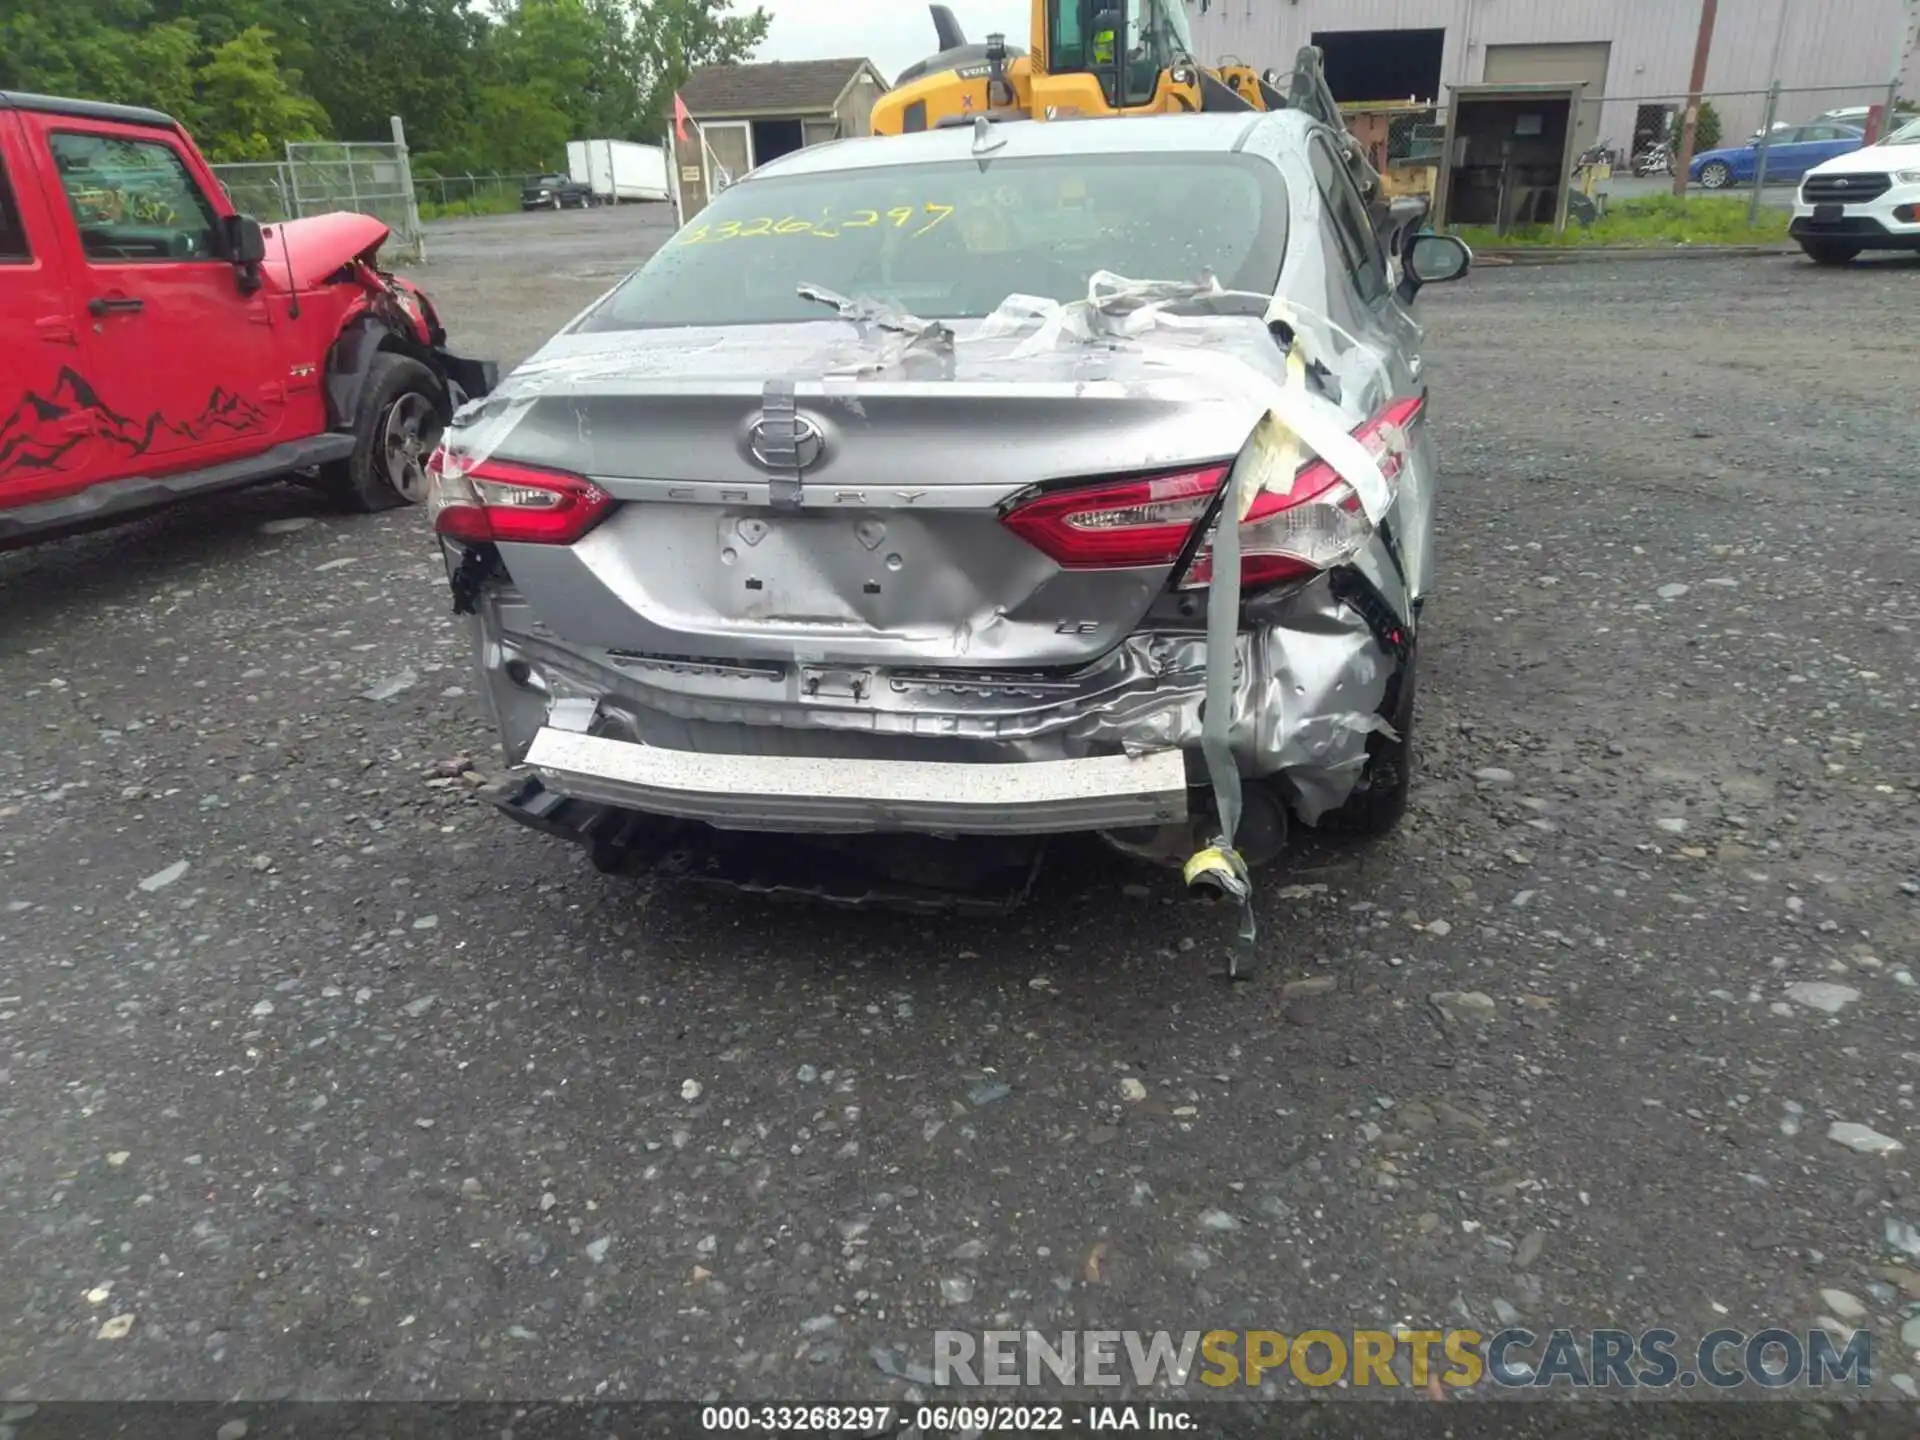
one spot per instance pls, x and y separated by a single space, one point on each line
750 114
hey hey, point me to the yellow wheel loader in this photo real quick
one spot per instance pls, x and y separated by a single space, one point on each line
1087 60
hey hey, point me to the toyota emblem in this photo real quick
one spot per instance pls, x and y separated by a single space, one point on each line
766 443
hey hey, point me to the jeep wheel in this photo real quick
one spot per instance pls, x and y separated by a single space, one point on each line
403 409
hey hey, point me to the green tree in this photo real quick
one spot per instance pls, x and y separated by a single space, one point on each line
418 59
245 106
213 64
1706 129
479 88
677 37
98 49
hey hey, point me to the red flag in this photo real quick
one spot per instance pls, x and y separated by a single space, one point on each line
680 116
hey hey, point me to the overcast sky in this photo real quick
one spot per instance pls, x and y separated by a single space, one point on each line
891 33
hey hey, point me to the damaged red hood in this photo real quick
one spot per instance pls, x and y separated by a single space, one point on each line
316 247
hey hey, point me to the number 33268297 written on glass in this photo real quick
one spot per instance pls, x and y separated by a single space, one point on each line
898 218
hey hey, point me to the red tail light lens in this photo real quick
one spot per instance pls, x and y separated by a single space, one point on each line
1121 526
1316 524
501 500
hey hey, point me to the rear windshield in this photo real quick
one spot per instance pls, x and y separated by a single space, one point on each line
953 240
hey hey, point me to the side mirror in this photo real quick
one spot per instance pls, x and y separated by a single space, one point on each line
1433 258
245 244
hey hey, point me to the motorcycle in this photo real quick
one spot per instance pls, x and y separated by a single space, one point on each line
1657 158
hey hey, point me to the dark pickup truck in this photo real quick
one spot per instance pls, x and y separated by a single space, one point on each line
556 192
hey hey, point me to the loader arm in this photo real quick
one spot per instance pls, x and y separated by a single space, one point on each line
1308 92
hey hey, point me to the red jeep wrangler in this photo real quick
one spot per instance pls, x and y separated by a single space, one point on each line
154 344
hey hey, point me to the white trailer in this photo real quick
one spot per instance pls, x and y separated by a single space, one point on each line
619 170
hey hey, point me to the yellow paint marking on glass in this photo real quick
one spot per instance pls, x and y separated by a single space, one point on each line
900 217
943 212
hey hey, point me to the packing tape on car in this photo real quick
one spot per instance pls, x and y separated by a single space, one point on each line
1118 308
1219 866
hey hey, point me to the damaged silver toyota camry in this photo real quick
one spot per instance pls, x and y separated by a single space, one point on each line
886 500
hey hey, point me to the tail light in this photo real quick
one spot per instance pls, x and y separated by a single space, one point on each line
1119 526
506 501
1316 524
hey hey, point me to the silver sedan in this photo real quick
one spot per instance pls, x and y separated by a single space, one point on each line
886 498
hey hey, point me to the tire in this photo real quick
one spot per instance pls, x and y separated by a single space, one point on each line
1830 252
1716 175
403 408
1379 797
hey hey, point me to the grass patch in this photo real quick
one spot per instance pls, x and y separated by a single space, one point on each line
1652 221
487 202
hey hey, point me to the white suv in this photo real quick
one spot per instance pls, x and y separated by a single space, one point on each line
1867 199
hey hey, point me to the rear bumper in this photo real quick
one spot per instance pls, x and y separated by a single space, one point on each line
1113 746
771 792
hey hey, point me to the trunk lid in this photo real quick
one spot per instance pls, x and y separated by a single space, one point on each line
889 549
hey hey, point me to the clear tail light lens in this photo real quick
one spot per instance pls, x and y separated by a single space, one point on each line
501 500
1315 525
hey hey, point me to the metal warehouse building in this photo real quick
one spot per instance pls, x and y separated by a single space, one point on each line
1633 52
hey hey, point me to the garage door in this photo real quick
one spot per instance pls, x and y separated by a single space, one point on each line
1557 64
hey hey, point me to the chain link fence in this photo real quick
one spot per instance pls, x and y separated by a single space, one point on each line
276 190
1628 147
444 196
264 191
372 179
320 179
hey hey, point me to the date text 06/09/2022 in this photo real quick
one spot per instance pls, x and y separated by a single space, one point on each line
871 1420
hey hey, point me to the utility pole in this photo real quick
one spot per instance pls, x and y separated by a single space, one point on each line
1702 48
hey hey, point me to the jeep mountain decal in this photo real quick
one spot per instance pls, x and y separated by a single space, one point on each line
40 433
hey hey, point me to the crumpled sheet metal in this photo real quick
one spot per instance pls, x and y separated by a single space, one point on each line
1307 690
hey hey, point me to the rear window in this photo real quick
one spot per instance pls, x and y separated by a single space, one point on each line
953 240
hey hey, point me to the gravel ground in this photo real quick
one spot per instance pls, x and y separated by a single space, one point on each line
318 1078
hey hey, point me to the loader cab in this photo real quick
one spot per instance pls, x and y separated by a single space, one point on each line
1128 45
